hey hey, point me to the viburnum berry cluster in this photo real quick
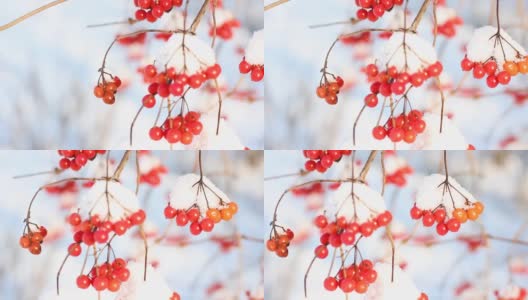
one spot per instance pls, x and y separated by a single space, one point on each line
76 159
390 81
322 160
355 278
257 71
181 128
152 10
106 89
198 223
404 127
151 169
493 54
343 232
375 9
279 242
107 276
447 20
442 200
223 23
328 90
32 239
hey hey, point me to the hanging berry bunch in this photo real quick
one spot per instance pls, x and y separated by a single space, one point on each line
152 10
328 89
224 22
107 87
322 160
32 239
107 276
447 20
195 201
151 169
396 169
375 9
493 54
279 240
355 278
253 62
179 129
76 159
356 39
404 127
442 200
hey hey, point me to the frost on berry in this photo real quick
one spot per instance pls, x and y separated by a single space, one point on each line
121 202
253 61
369 203
136 288
384 288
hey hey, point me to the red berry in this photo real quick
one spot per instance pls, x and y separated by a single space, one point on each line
416 213
170 212
321 251
330 284
428 219
244 67
466 64
74 249
83 281
156 133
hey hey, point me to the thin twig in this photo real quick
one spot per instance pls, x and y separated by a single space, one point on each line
30 14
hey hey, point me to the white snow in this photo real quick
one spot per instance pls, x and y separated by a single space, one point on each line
198 54
429 195
222 16
227 139
136 288
481 47
418 53
445 14
369 203
255 48
121 201
385 289
431 139
183 194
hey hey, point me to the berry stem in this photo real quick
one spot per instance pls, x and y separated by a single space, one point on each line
306 276
419 16
199 17
275 4
30 14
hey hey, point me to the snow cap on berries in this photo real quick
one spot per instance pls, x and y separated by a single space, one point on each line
482 46
184 193
418 54
449 139
369 203
431 194
196 55
255 49
138 289
384 288
121 201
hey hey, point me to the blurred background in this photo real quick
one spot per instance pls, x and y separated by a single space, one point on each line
297 119
208 266
450 267
48 69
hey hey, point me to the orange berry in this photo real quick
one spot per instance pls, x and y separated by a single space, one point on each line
214 214
523 66
479 207
282 251
333 88
111 87
226 214
472 214
460 215
511 68
233 207
37 237
271 245
99 91
321 91
35 248
109 98
25 242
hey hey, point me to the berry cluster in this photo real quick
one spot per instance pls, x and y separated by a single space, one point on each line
153 176
279 243
404 127
342 232
225 30
58 189
512 293
169 82
107 276
495 75
151 10
374 9
32 240
399 177
257 71
106 90
197 224
181 128
322 160
439 216
96 230
448 28
76 159
354 39
354 278
329 90
391 82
